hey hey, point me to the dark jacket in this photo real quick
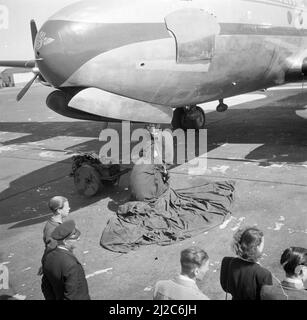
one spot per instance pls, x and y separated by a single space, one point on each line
283 291
243 279
63 276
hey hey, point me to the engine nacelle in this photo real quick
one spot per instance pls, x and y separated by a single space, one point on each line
297 72
304 67
58 102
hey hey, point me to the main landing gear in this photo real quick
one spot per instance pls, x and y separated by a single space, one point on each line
193 117
222 107
190 117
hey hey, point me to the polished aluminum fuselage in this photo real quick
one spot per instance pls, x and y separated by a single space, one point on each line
124 47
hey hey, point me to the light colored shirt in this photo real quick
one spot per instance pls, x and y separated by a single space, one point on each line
297 283
179 288
288 289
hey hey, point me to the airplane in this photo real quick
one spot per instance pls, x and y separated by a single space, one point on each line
154 61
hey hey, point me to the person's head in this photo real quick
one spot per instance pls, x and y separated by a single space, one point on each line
59 206
194 263
66 234
294 262
248 243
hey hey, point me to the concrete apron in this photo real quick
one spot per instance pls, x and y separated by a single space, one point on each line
261 145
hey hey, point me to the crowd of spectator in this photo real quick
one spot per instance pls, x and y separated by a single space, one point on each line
242 276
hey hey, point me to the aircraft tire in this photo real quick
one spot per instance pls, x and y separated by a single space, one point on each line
177 116
87 180
195 119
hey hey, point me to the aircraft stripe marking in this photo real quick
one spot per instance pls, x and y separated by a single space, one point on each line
258 29
98 38
278 4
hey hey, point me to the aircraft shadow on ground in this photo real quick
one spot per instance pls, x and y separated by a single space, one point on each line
30 205
276 127
280 127
24 202
39 131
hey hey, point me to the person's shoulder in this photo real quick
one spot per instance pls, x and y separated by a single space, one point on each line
262 270
50 224
47 224
227 260
294 293
278 292
199 295
271 292
163 283
67 258
263 275
161 289
299 295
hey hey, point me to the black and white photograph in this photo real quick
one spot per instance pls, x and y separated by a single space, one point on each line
153 150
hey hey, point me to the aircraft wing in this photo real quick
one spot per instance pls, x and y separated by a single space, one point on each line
109 105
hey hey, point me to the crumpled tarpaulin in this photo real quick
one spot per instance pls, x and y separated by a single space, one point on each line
168 218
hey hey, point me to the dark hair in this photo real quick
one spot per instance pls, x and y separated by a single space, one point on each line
293 257
246 242
191 258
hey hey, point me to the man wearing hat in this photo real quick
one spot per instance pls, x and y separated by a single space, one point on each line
60 208
63 275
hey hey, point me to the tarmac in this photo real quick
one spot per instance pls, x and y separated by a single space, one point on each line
260 143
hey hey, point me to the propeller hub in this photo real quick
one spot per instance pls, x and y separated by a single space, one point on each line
49 54
35 70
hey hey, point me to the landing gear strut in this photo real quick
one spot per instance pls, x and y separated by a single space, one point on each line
190 117
222 107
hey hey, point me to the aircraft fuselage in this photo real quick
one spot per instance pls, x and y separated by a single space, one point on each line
126 48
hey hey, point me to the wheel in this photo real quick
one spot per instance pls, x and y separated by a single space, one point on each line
193 118
177 115
87 180
108 172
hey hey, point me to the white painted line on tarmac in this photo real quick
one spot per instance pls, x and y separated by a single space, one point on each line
225 224
148 288
238 225
221 169
98 272
26 269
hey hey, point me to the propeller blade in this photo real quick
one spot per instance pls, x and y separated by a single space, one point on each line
33 31
18 63
26 88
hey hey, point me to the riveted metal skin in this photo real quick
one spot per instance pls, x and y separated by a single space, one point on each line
172 53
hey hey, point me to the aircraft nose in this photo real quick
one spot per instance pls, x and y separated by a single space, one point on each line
49 52
62 47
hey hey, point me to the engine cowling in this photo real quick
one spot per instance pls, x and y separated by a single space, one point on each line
58 102
304 67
